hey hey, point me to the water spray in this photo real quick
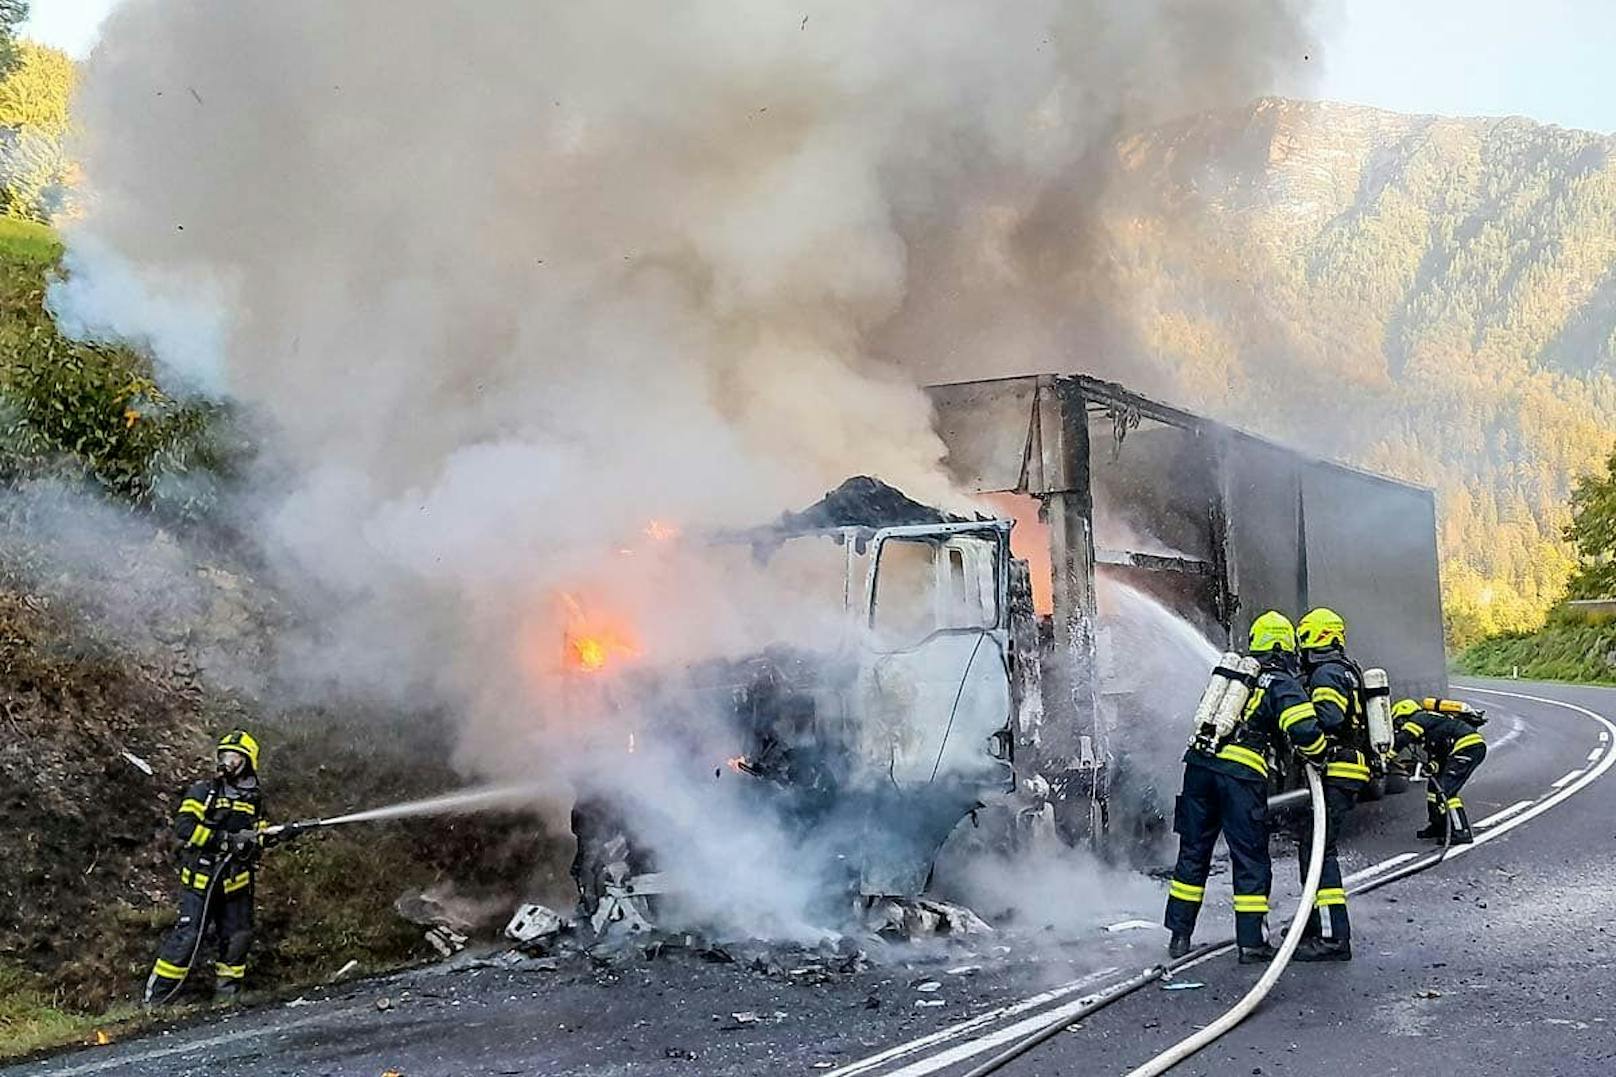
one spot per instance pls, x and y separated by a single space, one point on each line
464 802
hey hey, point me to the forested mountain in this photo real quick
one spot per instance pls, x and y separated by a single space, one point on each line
1430 297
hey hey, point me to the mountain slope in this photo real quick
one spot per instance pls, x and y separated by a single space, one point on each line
1431 297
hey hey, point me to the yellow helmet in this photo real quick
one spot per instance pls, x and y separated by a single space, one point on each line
1321 627
239 740
1405 708
1270 631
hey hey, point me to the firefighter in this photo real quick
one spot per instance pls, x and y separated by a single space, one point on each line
1335 687
1446 729
218 823
1227 790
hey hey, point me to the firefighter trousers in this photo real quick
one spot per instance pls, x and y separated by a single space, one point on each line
231 916
1339 798
1442 789
1214 802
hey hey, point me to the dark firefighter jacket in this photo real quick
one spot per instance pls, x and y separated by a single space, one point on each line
1440 734
213 809
1335 687
1277 705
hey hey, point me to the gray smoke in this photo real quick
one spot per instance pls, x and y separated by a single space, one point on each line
507 281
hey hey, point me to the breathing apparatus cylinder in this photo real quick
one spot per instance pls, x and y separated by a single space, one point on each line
1207 708
1233 706
1378 709
1224 700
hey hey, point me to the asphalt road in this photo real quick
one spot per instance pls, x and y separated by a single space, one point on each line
1497 961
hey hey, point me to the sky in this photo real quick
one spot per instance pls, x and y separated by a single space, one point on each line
1550 60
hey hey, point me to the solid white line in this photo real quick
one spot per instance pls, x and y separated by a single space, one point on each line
963 1028
1007 1034
1500 816
125 1060
1566 779
1588 777
1594 755
1375 869
1498 824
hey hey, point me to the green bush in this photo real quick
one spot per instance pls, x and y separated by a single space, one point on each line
1569 647
92 414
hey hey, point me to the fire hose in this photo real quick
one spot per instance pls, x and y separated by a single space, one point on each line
268 836
201 929
1241 1010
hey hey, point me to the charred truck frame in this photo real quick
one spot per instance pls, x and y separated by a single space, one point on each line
972 673
1214 523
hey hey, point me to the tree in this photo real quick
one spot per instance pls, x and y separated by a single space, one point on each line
34 99
1593 532
13 13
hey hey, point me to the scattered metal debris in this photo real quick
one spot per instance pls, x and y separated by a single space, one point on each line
446 941
534 923
911 918
138 763
1131 925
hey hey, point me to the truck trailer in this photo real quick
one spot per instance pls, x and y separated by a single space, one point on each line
1212 522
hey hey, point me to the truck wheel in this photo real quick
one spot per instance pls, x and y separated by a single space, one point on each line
1373 789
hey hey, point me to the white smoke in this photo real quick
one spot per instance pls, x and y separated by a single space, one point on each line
505 281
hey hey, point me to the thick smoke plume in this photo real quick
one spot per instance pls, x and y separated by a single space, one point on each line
507 281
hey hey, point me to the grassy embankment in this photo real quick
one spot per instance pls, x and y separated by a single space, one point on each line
86 870
1571 646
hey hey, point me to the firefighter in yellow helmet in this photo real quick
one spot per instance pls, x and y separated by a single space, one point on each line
1335 686
1447 730
218 822
1226 790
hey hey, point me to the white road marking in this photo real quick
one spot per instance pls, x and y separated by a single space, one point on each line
221 1040
965 1028
1375 869
1517 725
1500 816
1593 756
972 1048
1497 824
1589 776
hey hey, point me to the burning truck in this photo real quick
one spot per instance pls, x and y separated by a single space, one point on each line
979 675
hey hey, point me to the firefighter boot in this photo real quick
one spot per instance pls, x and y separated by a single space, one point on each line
1179 945
1435 824
1257 955
1460 823
1317 948
156 994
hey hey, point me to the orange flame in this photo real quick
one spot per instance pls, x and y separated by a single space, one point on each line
660 531
590 643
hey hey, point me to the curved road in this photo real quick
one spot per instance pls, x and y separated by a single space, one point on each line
1496 962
